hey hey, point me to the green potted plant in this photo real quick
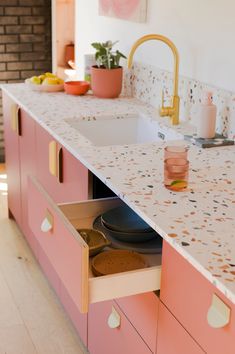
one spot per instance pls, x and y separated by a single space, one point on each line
106 76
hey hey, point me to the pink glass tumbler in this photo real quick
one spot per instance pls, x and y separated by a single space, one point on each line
176 173
176 152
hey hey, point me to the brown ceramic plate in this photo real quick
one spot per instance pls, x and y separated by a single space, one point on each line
95 240
117 261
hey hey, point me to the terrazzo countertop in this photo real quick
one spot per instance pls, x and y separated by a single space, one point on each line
199 223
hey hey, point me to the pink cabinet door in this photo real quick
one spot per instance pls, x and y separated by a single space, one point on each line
12 153
27 148
74 175
64 248
142 311
172 338
120 340
188 295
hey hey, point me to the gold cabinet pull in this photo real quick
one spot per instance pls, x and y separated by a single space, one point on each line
53 158
56 161
60 165
16 119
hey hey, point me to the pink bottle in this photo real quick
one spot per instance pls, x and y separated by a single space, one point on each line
206 121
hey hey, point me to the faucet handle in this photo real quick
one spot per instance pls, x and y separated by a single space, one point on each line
164 111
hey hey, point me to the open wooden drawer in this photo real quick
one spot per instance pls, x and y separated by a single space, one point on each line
54 226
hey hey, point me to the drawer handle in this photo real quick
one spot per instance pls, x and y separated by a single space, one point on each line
52 158
16 119
114 320
56 161
218 315
47 224
60 165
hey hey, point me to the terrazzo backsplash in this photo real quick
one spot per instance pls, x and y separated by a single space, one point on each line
146 83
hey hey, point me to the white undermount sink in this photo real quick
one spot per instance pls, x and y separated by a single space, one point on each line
121 130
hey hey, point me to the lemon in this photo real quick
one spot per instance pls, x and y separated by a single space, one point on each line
49 75
60 81
42 77
178 184
50 81
35 80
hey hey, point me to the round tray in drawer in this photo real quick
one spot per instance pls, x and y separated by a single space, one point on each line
117 261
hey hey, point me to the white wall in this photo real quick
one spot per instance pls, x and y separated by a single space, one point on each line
202 30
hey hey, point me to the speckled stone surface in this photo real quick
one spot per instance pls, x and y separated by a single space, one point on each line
199 223
146 83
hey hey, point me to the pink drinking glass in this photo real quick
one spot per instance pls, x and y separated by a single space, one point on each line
176 173
178 152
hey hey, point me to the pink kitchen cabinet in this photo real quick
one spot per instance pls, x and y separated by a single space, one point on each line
142 311
110 332
172 338
27 167
48 199
19 129
188 295
12 152
71 181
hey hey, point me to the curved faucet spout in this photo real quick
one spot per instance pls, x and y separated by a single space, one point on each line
172 111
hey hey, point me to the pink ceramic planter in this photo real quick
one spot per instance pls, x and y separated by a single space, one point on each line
106 83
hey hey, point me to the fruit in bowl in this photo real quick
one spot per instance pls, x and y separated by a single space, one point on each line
47 82
52 81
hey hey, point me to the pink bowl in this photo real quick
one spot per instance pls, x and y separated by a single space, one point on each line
76 87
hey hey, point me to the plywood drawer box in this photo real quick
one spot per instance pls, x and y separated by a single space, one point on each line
142 312
109 331
189 296
69 254
172 338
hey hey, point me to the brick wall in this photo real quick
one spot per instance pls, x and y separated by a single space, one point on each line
25 43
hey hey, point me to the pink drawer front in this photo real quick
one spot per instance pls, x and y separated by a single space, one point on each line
66 252
172 338
122 339
73 185
54 227
142 311
189 295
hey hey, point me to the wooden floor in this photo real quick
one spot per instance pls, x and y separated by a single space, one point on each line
32 321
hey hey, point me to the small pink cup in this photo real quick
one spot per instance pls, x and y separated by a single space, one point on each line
176 173
179 152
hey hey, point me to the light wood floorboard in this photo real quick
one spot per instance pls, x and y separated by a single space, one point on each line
32 320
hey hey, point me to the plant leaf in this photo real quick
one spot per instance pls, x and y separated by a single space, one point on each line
104 55
121 55
96 45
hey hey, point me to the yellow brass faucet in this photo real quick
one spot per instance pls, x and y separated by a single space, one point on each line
173 110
